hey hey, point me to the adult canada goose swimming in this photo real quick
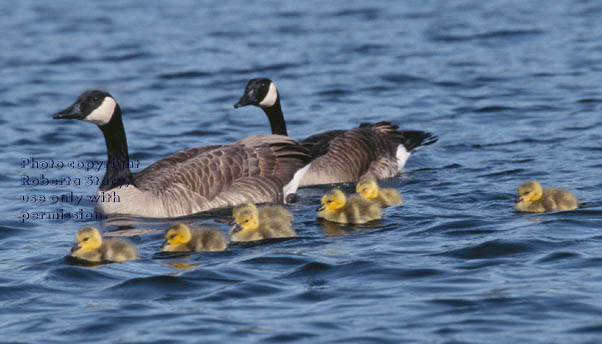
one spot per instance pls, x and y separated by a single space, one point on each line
261 168
533 199
374 150
93 248
356 210
370 191
180 238
252 223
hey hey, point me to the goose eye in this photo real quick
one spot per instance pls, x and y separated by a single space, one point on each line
95 99
172 236
247 220
329 201
86 239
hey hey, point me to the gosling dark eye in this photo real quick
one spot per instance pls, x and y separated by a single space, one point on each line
247 220
329 201
86 239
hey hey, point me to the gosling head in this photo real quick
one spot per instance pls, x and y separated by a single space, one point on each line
529 192
368 189
177 234
333 200
88 239
94 106
259 92
246 217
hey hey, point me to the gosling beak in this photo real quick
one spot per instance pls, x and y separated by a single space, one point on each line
235 227
72 112
518 199
75 247
321 208
165 243
247 99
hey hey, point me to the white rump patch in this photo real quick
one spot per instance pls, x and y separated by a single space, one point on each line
402 156
102 114
293 185
270 99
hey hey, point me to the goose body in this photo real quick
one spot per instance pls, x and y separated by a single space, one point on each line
92 247
257 223
373 150
336 207
180 238
368 189
261 168
533 199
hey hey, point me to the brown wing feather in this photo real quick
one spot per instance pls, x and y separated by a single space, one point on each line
254 169
349 156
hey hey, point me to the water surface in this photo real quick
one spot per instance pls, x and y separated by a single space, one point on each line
512 89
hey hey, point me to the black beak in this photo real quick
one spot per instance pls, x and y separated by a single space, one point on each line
75 247
72 112
164 244
247 99
321 208
518 199
235 227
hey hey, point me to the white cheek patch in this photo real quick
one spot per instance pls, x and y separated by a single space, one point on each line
102 114
402 156
270 98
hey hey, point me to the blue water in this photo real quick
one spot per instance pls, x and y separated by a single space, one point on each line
513 89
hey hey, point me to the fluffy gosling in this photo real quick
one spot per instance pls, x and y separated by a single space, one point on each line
252 223
180 238
370 191
92 247
355 210
533 199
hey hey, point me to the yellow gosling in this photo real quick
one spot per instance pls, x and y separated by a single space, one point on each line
533 199
252 223
356 210
92 247
370 191
180 238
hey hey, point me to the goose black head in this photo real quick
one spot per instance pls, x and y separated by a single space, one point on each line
259 92
92 106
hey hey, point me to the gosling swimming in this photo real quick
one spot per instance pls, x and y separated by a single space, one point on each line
92 247
385 197
252 223
355 210
533 199
180 238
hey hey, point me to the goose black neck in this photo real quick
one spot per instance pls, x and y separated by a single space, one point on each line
118 160
276 118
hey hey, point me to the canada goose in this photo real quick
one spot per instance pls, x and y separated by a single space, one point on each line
252 223
92 247
375 150
533 199
261 168
356 210
385 197
180 238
